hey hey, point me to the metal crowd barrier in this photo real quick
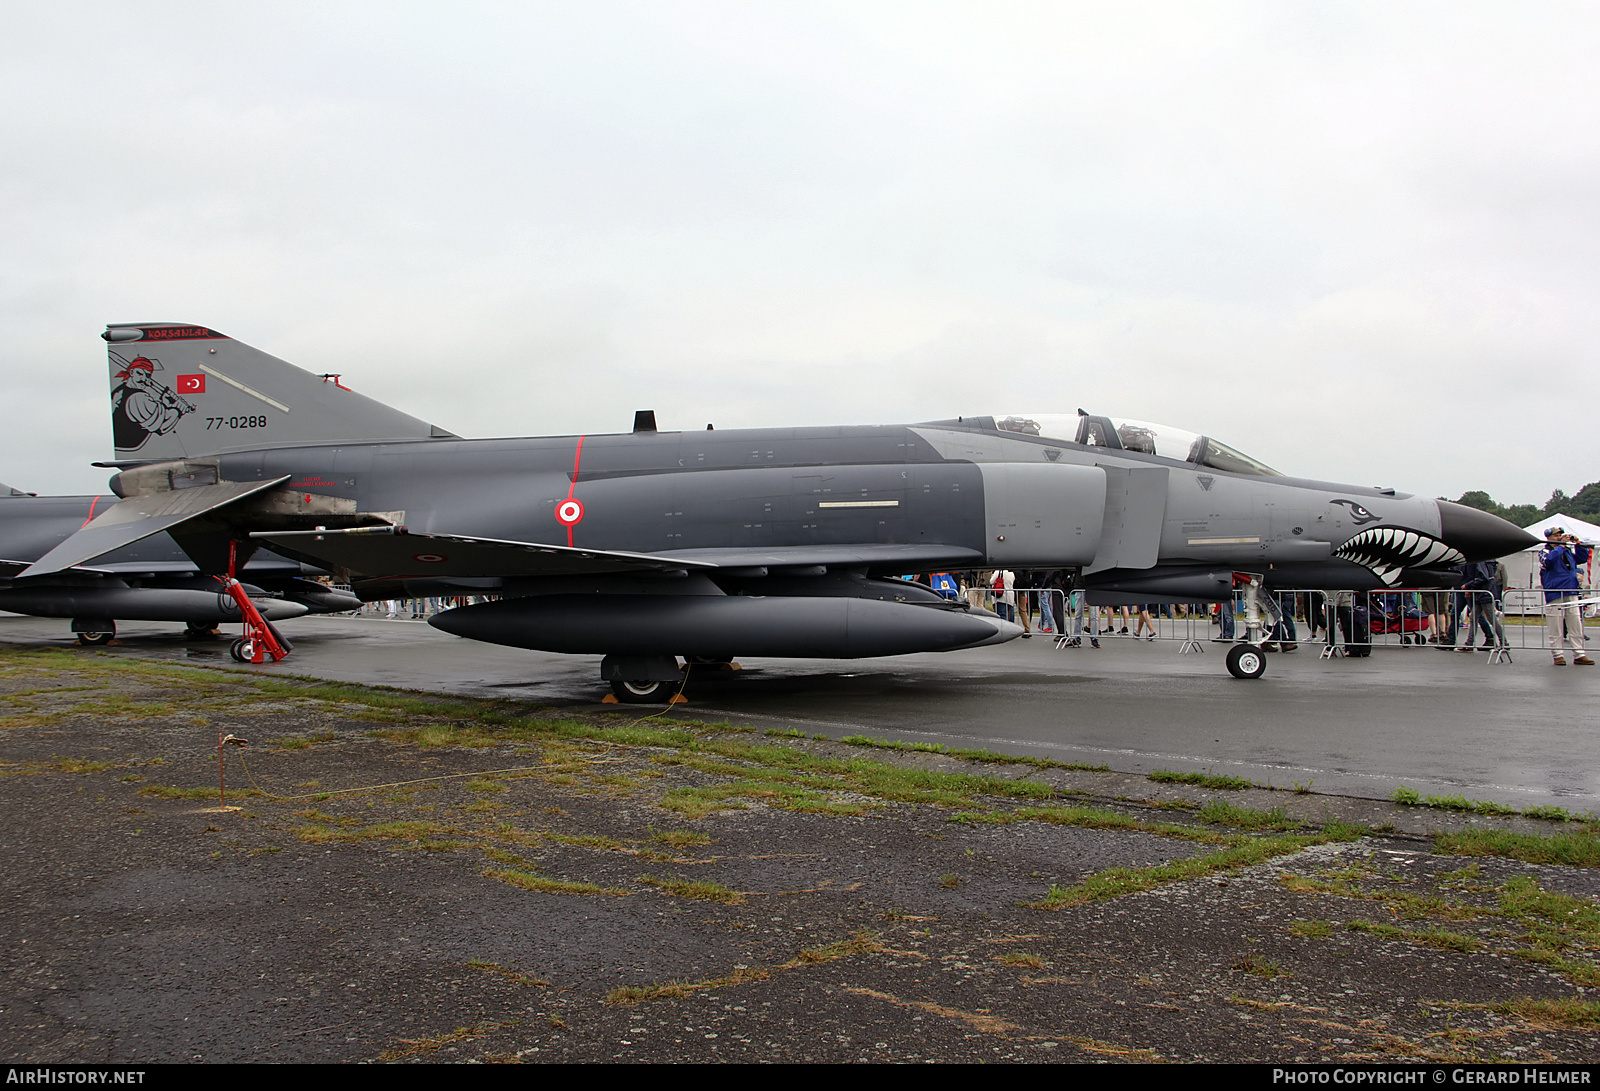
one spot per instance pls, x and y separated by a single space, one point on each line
1397 618
1405 618
1048 604
1453 620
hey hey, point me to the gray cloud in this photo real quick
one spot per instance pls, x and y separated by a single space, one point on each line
1353 240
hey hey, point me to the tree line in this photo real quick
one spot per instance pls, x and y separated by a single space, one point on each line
1584 505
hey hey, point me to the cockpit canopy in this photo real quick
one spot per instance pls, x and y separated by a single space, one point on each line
1121 434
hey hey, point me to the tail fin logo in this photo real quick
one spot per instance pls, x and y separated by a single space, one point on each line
143 406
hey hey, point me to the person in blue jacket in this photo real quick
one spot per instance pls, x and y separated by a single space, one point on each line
1559 561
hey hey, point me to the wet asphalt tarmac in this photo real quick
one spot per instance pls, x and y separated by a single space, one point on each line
1523 733
533 897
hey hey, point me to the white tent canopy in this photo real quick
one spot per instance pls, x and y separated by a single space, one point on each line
1522 569
1576 527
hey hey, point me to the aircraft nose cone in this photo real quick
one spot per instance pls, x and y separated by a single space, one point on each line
1478 535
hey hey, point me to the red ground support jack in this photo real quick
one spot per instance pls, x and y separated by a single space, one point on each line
260 639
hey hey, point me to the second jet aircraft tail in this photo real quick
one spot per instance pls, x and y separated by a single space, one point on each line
186 391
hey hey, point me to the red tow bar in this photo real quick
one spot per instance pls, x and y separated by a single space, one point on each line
259 639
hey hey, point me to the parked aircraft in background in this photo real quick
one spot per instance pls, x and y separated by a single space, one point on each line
150 580
650 545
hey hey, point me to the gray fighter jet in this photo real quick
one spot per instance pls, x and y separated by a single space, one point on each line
650 545
150 580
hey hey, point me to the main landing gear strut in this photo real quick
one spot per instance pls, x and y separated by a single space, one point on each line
1261 612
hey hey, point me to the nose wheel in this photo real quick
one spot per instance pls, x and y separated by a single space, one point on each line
642 691
1246 661
1261 615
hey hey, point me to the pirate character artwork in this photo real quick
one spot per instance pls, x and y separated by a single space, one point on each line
143 406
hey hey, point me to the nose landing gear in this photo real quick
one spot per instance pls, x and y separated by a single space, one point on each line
1261 614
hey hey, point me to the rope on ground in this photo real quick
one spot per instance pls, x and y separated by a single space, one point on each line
687 667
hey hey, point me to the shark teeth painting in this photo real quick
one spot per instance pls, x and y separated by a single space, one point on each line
1388 551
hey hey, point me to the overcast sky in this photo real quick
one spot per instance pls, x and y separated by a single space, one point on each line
1357 241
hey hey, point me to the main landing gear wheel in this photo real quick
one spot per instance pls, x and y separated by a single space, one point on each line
90 639
643 693
1246 661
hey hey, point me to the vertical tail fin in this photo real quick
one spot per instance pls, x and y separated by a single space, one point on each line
186 391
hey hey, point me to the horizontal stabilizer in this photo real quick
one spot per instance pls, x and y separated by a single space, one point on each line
127 521
391 553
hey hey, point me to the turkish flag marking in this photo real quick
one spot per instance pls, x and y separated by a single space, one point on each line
191 384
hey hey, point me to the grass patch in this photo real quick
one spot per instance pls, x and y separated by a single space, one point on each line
891 744
1317 929
416 1046
60 765
167 791
1022 960
1204 780
1410 797
1580 848
1433 937
501 856
628 995
1522 920
509 974
680 839
590 841
699 889
1255 963
1565 1012
527 880
1120 881
1221 813
987 757
860 943
1552 813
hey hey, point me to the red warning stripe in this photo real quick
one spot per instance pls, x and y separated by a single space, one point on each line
577 460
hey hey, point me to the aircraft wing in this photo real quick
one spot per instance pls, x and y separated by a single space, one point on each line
392 553
127 521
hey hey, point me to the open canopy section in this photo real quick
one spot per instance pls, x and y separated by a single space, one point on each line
1122 434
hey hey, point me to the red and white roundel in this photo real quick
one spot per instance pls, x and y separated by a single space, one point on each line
569 513
429 558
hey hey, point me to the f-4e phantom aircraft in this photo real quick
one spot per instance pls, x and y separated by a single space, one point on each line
150 580
646 546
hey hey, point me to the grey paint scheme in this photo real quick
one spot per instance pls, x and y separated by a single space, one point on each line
778 505
692 495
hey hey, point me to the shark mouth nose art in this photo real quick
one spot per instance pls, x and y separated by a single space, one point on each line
1388 551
